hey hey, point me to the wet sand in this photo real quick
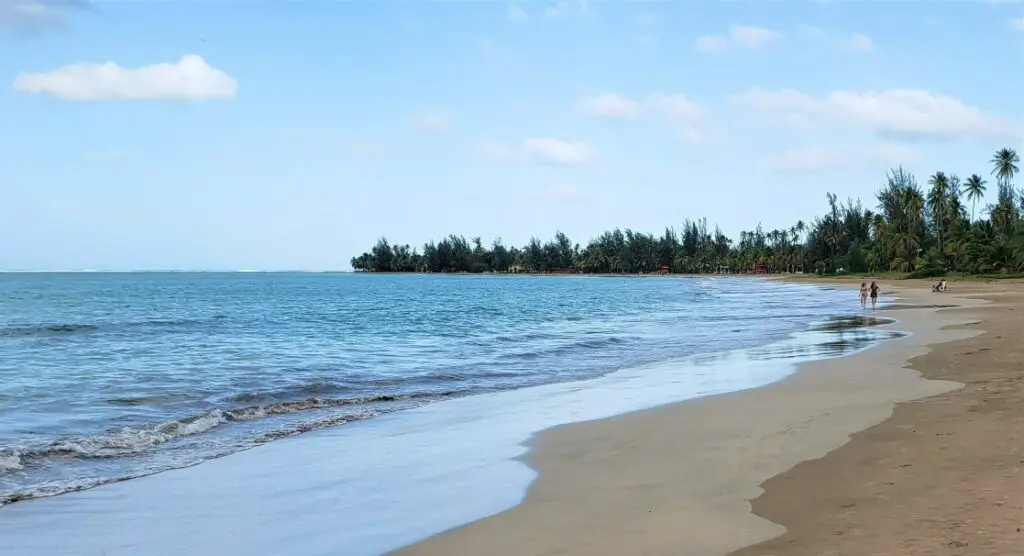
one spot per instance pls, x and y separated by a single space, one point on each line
942 476
679 479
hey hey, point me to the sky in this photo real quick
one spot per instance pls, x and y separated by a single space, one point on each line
225 135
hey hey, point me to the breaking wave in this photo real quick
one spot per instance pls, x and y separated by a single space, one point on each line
133 441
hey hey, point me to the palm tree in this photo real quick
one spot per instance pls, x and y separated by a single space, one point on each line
912 204
1002 218
937 204
1004 165
974 189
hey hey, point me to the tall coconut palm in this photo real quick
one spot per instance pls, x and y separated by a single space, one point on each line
937 201
912 205
1004 165
974 189
800 227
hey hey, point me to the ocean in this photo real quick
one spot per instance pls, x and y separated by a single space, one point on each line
108 377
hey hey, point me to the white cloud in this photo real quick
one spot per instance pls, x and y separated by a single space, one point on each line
858 42
819 159
675 106
544 150
712 43
559 153
561 9
752 37
515 12
739 36
435 122
34 16
688 117
896 112
610 105
558 10
191 78
1017 23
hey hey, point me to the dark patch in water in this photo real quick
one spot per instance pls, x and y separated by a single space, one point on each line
46 330
66 329
146 400
839 324
566 348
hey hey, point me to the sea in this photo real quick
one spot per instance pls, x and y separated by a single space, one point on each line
109 377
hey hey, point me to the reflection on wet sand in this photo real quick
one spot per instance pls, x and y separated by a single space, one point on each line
901 306
832 338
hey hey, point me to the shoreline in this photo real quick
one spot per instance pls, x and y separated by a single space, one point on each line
634 484
452 452
940 476
823 303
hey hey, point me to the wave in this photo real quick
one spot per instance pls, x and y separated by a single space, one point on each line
12 460
56 488
60 329
599 343
130 441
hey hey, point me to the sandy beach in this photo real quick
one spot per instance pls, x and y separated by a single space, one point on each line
938 475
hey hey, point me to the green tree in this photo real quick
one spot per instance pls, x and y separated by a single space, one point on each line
974 189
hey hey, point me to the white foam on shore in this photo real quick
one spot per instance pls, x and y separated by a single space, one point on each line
367 487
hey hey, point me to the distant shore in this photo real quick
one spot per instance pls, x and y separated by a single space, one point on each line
679 479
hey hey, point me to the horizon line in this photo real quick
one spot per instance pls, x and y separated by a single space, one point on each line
171 270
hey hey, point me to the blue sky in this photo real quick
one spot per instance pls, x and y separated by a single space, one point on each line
290 135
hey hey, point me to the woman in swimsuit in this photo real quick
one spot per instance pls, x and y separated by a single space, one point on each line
874 295
863 295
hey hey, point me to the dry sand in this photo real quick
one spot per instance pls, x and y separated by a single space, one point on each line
942 476
678 480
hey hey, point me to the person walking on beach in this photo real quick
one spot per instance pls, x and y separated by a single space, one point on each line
874 295
863 295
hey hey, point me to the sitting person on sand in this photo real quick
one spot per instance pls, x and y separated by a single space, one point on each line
863 295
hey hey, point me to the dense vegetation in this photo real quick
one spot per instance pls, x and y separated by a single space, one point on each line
921 229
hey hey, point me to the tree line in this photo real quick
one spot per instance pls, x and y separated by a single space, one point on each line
923 229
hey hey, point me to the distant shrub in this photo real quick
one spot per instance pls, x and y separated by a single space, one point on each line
926 272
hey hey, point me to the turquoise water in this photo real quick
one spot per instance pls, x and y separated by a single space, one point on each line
105 377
